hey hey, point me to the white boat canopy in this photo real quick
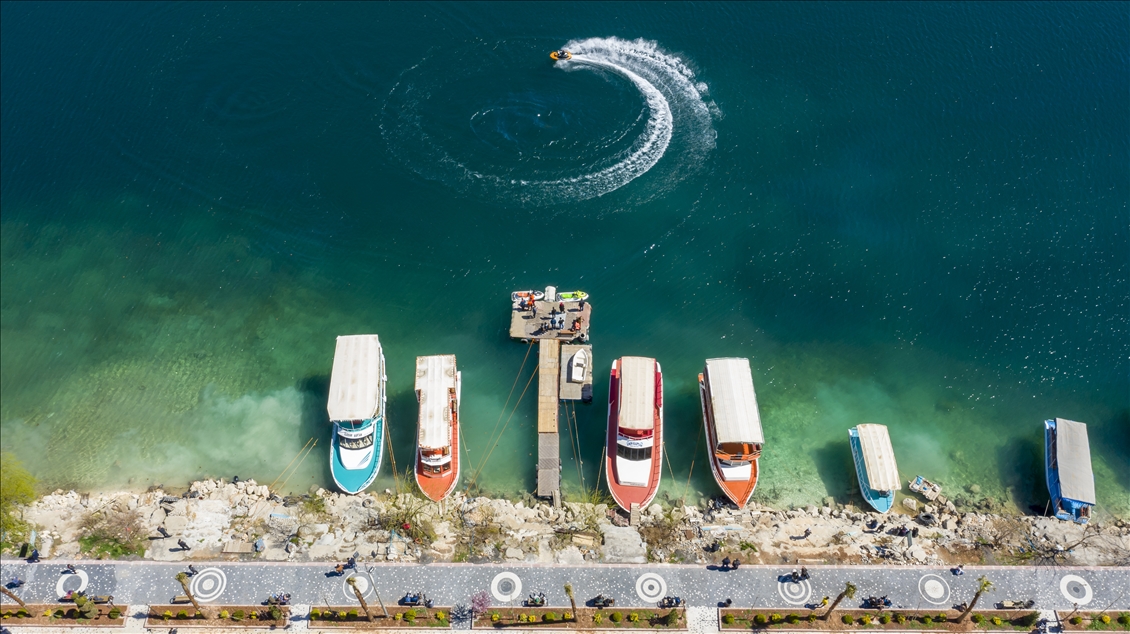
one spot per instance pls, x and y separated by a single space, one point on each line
637 393
356 382
733 401
878 457
435 375
1073 454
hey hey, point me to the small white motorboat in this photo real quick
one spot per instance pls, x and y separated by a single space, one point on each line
579 368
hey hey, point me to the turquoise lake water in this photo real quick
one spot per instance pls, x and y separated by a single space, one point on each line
907 214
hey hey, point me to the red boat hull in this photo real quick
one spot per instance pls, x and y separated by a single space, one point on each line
625 496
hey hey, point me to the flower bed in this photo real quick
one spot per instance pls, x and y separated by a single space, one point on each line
1113 621
933 620
220 616
42 615
399 617
587 618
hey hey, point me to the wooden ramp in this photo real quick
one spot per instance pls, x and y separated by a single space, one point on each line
549 444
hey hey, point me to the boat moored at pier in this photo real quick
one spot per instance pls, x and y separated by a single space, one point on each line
733 426
875 465
1067 464
635 431
356 408
438 386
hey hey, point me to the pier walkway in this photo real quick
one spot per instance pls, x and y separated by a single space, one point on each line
549 442
142 583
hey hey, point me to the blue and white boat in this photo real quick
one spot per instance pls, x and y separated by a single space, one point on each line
1067 462
357 410
875 465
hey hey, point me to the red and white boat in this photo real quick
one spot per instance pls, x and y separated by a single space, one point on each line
438 384
635 431
733 426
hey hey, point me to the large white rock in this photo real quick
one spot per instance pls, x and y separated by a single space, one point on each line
623 545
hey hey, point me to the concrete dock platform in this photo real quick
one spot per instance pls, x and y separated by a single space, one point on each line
537 324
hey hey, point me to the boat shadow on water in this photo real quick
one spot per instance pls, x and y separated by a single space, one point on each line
837 471
1020 468
315 389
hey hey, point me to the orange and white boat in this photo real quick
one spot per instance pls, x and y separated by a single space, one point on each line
438 384
635 431
733 426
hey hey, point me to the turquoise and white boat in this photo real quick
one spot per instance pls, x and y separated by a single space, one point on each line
357 410
875 465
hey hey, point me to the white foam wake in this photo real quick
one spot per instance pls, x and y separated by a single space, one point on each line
679 115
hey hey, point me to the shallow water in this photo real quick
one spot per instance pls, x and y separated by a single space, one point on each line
906 214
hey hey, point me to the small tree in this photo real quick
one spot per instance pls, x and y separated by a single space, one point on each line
572 600
183 579
352 581
848 591
983 586
480 602
12 595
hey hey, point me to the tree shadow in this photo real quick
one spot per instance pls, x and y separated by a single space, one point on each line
837 471
1021 470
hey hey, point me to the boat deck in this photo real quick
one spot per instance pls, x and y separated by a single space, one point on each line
528 325
571 391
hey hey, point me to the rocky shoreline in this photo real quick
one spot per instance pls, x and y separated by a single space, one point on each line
243 520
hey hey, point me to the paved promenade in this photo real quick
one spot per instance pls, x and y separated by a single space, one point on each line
146 583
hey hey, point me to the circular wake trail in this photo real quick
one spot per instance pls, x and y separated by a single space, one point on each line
677 135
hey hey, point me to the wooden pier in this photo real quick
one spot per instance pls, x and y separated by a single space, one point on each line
537 324
549 443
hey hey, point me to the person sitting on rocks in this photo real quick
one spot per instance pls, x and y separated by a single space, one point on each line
725 563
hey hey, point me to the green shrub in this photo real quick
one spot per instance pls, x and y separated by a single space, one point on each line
616 617
224 614
978 619
522 618
410 615
168 614
792 619
276 613
634 617
183 614
927 620
598 618
847 619
865 619
79 600
440 616
115 612
549 617
941 618
900 619
996 620
776 618
1124 619
760 619
1076 620
885 618
728 619
812 618
253 615
672 618
1105 619
398 616
238 615
495 616
1028 620
59 613
353 613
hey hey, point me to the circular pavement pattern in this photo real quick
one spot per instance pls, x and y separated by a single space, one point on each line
76 582
651 587
1076 589
506 586
795 593
364 586
934 589
208 584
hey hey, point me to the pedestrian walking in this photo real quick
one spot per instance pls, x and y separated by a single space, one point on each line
339 569
736 563
71 569
183 544
164 533
561 307
192 570
581 304
807 532
729 602
824 602
16 582
725 563
34 558
803 572
352 564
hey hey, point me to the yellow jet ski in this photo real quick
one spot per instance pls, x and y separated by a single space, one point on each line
561 54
